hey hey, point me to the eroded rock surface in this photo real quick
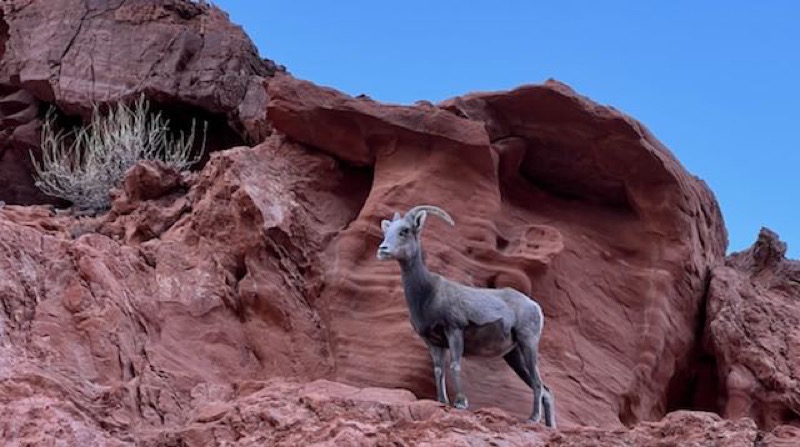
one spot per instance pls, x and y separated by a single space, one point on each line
552 194
119 318
326 413
753 331
323 413
185 56
173 317
74 52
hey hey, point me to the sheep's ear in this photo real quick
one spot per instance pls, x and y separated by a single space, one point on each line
419 220
385 225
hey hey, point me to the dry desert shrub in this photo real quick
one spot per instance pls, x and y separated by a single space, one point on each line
85 170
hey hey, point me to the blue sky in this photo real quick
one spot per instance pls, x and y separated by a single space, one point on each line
718 82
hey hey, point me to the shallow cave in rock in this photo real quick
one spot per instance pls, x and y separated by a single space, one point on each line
566 173
697 387
563 171
219 135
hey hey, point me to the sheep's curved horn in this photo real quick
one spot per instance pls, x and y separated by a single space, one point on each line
433 210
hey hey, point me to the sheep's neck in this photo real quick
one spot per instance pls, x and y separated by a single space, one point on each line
418 284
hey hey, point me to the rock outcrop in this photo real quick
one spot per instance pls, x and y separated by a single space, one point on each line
212 278
325 413
322 413
753 332
262 264
185 56
552 194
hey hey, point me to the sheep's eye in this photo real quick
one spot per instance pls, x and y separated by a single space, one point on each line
404 232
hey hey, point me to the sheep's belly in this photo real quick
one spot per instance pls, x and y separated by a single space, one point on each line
487 340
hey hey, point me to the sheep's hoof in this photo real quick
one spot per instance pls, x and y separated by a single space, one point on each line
461 402
535 418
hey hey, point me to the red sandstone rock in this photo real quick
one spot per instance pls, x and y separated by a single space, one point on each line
184 55
280 413
123 326
753 331
150 180
355 129
234 289
159 323
19 135
74 53
552 194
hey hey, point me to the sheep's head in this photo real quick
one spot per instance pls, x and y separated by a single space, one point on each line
401 235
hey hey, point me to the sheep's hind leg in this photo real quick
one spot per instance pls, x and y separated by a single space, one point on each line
437 355
515 360
530 356
549 401
455 339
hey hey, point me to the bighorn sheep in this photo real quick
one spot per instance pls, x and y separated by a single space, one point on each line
465 320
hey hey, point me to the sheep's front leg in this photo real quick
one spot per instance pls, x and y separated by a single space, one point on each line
437 355
455 340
